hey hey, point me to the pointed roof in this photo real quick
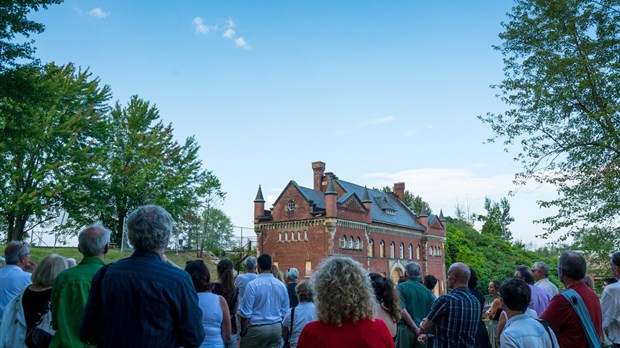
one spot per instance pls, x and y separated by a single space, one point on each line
259 196
441 217
366 197
330 188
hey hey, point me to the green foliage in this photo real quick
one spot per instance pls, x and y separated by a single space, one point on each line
52 122
497 219
216 234
562 86
15 23
597 244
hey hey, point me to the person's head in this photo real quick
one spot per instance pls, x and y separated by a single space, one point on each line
250 264
494 286
292 274
430 281
608 281
524 273
264 263
385 293
515 294
412 270
17 253
71 262
343 291
149 228
304 292
472 283
540 270
571 265
94 240
47 270
458 275
198 271
225 275
615 265
589 282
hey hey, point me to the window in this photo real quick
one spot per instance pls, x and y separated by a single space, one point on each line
371 244
275 263
401 251
293 236
417 252
290 207
305 235
280 236
358 243
298 235
351 242
382 249
410 251
286 236
392 251
308 268
343 242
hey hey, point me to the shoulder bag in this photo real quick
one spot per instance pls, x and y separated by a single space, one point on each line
287 344
586 322
41 334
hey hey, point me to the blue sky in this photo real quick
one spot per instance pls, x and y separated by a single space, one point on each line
380 91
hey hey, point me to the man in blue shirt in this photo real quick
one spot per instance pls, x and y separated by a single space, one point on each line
143 301
13 276
262 309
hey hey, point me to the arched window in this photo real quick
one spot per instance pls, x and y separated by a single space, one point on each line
298 235
343 242
279 236
410 251
417 252
371 244
351 242
358 243
392 251
382 249
305 235
285 236
401 251
293 236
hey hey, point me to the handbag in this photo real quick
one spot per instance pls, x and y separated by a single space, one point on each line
287 344
40 335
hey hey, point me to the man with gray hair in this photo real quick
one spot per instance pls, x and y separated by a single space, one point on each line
13 276
290 277
415 302
541 275
242 280
71 287
143 301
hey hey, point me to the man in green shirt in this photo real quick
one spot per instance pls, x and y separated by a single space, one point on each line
70 288
415 300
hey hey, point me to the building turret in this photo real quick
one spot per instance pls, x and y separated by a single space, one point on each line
330 200
259 204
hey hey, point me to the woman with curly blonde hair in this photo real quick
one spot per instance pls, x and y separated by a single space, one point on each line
345 303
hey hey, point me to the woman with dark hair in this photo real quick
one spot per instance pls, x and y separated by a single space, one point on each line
225 286
494 312
482 338
387 297
215 314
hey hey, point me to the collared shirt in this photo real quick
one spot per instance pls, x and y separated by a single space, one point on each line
456 316
548 286
69 294
610 304
305 312
415 298
142 301
12 281
521 331
540 299
242 281
265 300
565 322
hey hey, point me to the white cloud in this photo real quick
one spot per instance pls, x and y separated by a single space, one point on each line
98 13
200 27
376 121
229 33
240 42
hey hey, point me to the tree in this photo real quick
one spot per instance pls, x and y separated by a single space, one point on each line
414 202
14 23
597 244
217 232
562 86
497 219
52 120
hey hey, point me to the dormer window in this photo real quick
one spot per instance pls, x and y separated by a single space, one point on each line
390 211
290 207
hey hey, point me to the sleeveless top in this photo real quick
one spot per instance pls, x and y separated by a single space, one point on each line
212 317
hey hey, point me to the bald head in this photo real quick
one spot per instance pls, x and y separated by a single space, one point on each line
460 271
93 240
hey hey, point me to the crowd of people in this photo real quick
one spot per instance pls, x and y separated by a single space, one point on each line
146 301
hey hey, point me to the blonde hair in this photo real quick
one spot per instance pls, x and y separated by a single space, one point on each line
48 269
343 291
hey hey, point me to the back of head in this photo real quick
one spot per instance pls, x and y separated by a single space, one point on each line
412 269
264 262
430 281
460 271
304 292
48 269
542 268
149 228
343 291
225 275
14 251
199 273
473 279
572 265
615 259
525 274
516 294
292 274
386 294
93 240
250 263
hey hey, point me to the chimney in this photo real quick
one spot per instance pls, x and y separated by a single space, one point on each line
259 204
318 168
399 190
330 200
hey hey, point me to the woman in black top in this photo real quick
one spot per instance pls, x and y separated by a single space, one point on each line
224 286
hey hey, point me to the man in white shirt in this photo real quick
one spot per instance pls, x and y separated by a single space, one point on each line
610 303
264 304
541 275
13 276
521 330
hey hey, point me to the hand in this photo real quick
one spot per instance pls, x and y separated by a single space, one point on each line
422 339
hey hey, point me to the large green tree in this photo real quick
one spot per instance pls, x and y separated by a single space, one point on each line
52 120
497 218
562 88
14 24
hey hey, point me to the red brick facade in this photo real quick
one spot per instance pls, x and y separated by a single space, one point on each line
302 228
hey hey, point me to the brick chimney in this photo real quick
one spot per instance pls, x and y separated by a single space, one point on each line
399 190
330 200
318 168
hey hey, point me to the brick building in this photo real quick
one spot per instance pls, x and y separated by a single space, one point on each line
336 217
